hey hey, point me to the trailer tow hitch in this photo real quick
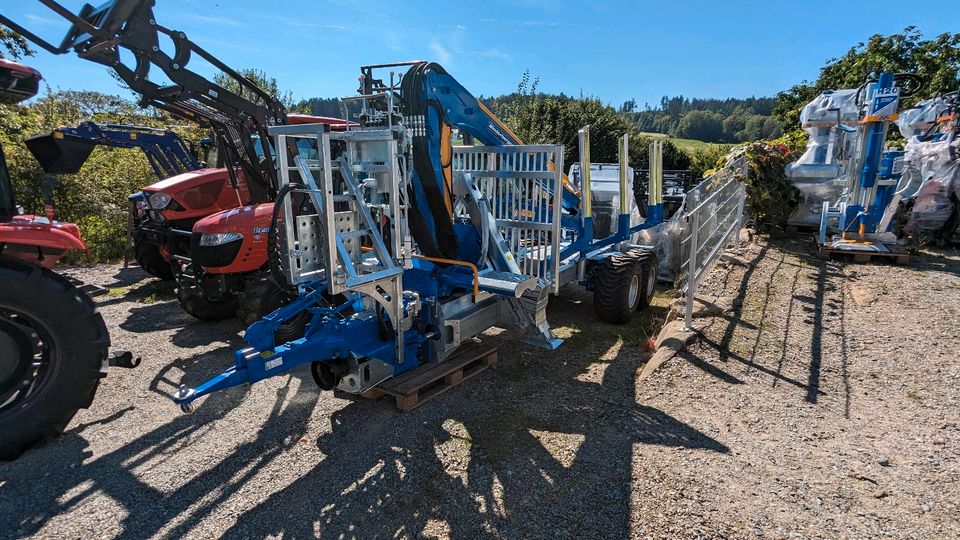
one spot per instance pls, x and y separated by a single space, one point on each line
123 359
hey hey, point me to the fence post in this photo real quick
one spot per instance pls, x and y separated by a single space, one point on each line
692 271
740 200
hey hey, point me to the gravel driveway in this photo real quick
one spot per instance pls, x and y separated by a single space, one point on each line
824 405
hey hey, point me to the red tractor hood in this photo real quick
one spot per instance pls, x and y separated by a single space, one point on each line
199 193
178 182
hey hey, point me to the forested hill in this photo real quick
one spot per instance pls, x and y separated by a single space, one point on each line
714 120
708 119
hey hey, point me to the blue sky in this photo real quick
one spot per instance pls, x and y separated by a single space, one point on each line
611 50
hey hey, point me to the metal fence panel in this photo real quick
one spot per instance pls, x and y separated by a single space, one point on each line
712 218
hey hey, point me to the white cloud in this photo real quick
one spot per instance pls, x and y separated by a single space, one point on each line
443 55
42 20
216 20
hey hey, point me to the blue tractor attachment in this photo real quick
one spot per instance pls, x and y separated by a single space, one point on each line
861 220
505 228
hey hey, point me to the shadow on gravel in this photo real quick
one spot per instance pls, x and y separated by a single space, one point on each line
533 451
808 309
62 486
543 444
189 333
933 260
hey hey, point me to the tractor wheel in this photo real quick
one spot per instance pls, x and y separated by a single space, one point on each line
149 258
648 278
53 354
261 296
206 310
617 287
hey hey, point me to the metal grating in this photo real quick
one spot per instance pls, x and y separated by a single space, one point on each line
519 183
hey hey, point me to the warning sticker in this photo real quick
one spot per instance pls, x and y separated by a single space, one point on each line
270 364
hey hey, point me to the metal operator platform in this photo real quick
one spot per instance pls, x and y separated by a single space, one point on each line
402 246
862 218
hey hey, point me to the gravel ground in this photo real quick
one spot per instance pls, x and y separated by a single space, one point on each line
824 405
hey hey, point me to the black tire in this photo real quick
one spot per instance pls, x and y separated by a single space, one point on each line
149 258
614 279
53 331
261 296
648 278
206 310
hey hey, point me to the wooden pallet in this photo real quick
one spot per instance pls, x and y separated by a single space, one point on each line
896 253
415 387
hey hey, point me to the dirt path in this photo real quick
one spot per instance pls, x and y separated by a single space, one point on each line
825 405
835 388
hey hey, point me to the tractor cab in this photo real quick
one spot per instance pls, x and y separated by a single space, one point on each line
17 83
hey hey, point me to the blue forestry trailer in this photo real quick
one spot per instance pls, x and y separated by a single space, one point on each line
402 246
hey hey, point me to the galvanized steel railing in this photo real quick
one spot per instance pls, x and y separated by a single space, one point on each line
712 218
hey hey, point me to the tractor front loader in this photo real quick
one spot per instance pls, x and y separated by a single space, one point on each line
66 149
210 225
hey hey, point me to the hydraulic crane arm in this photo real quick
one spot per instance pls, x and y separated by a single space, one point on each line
64 150
99 33
435 103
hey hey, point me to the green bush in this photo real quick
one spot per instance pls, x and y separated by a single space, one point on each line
771 197
96 197
705 159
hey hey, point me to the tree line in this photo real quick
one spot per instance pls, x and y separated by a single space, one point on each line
95 198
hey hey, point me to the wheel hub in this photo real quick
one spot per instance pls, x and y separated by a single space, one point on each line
634 290
16 355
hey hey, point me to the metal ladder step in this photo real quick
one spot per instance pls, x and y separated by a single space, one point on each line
506 283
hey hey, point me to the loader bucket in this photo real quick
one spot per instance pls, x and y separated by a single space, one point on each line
58 154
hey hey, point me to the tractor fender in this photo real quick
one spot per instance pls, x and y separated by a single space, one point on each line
38 231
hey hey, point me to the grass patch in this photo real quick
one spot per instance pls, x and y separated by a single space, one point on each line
688 145
147 293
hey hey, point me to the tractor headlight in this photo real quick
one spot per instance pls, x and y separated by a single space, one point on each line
159 201
218 239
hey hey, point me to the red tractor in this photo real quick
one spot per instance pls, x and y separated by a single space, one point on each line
211 273
210 225
53 342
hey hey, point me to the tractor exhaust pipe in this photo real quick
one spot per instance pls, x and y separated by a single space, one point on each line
327 374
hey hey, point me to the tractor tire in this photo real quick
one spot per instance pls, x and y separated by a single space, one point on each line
617 287
261 296
199 307
149 258
53 354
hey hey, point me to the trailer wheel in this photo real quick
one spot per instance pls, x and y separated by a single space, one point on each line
648 278
618 288
149 258
206 310
53 354
261 296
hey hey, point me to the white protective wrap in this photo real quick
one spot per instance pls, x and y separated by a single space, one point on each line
819 119
916 120
930 176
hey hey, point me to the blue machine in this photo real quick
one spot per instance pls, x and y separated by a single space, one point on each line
409 246
64 150
864 214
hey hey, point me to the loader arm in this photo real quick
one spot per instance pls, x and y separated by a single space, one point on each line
439 103
64 150
99 33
